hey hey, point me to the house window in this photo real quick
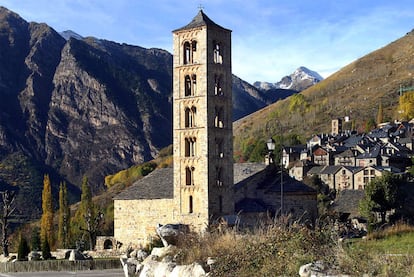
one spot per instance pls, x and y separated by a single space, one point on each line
366 172
190 147
343 171
218 55
219 118
373 172
190 204
366 180
190 117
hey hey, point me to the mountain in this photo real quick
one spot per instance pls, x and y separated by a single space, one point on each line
299 80
355 91
70 34
248 99
74 106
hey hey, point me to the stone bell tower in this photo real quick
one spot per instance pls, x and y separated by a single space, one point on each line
202 122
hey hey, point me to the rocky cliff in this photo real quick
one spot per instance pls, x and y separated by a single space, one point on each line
78 107
73 106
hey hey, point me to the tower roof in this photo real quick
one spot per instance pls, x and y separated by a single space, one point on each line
201 19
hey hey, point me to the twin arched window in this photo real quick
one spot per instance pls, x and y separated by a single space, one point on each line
190 48
219 117
190 116
190 147
217 85
189 176
217 53
190 85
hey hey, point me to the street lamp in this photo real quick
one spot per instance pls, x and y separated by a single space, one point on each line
271 147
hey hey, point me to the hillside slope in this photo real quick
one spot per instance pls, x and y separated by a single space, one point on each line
355 91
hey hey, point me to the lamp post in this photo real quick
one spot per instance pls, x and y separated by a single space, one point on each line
271 147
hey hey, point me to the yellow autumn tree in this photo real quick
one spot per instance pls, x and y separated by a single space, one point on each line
46 222
406 106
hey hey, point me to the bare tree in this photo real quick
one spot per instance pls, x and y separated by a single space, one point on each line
92 224
7 209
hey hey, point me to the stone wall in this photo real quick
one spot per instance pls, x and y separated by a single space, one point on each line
136 220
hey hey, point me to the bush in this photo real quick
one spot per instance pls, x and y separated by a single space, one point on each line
46 250
23 250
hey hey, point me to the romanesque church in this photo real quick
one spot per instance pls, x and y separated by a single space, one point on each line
204 184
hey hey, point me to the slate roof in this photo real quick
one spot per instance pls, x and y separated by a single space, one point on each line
271 182
347 201
330 169
251 205
201 19
156 185
373 153
243 171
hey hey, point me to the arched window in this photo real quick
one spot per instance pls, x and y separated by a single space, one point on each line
190 147
193 84
217 52
187 85
219 148
190 204
187 53
220 203
219 176
189 117
217 85
189 176
219 118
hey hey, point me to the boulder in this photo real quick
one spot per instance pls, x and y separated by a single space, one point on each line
76 255
34 256
169 233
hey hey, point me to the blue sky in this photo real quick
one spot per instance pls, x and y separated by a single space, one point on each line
270 38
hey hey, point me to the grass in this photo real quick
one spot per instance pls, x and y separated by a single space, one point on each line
279 250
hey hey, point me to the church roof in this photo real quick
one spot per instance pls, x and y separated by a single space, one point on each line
156 185
201 19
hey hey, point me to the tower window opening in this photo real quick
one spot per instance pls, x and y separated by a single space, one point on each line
219 148
193 84
220 203
187 53
190 204
219 176
189 116
190 147
218 56
219 118
187 85
217 86
189 176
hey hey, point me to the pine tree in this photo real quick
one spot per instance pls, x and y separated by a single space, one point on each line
46 254
380 114
35 242
46 222
23 250
64 217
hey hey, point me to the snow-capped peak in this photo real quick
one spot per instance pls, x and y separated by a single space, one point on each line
70 34
299 80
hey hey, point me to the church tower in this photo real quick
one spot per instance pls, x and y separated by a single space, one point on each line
202 122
